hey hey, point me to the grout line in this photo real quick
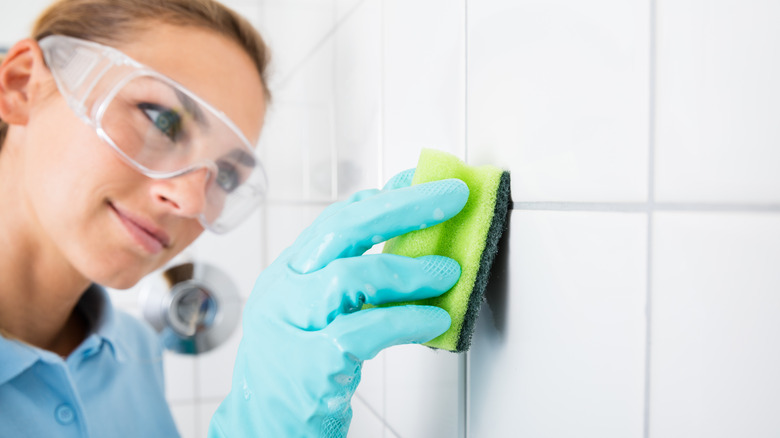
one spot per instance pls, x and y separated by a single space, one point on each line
381 167
196 390
334 150
648 323
212 399
368 405
382 97
715 207
625 207
639 207
388 426
379 417
464 362
464 395
466 81
651 208
297 202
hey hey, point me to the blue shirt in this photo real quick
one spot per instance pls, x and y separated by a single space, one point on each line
110 386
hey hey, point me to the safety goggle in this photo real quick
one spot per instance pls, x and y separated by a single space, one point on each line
158 126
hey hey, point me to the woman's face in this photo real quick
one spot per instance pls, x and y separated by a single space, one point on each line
111 223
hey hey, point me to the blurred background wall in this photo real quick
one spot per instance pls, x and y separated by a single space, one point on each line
637 293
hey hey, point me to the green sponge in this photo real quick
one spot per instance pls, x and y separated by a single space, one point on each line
471 238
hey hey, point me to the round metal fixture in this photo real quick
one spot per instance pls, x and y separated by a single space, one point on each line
194 306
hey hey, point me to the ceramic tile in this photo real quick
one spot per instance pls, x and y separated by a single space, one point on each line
125 299
214 369
293 29
371 390
364 423
716 88
714 337
424 80
184 416
180 381
285 223
421 392
357 91
297 150
559 347
205 410
17 20
298 142
238 253
558 93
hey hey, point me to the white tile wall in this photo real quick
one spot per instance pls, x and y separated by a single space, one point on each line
203 416
239 253
717 90
580 100
184 415
17 19
358 95
371 391
180 380
299 135
365 423
560 350
558 93
424 80
715 326
422 392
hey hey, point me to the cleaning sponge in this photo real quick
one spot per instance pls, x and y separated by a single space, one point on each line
471 238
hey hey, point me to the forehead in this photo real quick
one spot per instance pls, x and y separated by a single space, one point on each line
208 64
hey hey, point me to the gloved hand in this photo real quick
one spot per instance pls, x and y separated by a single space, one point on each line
304 335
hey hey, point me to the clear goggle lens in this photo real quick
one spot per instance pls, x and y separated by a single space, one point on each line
158 126
166 131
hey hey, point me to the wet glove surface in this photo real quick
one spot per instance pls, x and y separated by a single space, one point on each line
304 335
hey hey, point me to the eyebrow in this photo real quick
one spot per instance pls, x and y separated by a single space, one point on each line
192 107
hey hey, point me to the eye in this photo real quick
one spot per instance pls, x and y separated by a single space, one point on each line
166 120
228 177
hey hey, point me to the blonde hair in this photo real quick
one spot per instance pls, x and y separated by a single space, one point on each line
113 21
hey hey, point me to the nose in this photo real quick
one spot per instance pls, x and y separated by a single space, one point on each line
184 195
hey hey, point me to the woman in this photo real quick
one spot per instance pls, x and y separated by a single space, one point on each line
127 129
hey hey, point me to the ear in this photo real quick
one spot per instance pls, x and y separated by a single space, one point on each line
17 80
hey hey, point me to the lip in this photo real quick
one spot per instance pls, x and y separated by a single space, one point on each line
145 232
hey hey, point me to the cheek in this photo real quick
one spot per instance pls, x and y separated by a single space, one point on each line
191 230
67 165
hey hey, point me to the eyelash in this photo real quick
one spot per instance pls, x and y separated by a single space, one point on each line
166 120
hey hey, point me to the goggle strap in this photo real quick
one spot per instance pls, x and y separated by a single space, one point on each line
77 70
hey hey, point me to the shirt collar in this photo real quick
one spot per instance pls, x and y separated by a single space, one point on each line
101 316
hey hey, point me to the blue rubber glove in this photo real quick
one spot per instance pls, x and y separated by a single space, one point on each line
305 337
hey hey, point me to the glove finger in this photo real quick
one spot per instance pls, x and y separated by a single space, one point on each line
378 279
359 226
400 180
333 208
365 333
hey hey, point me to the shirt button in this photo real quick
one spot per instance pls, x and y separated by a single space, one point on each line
64 414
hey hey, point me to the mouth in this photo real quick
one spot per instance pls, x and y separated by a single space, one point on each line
147 234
